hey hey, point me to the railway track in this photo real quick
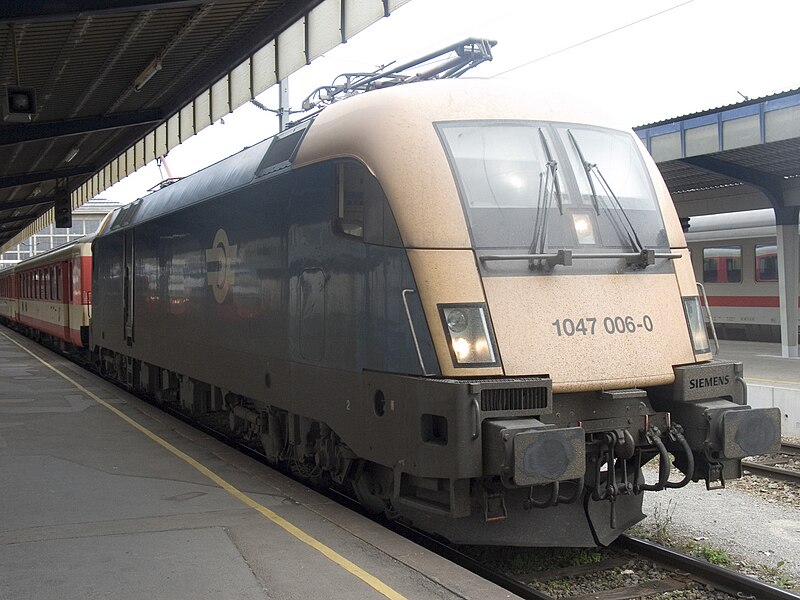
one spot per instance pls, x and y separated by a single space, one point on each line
783 466
677 572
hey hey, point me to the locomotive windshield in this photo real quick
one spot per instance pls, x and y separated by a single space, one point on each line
542 187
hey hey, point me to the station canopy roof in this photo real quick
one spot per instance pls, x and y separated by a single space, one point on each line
91 90
738 157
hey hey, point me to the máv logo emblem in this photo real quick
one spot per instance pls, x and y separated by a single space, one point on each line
222 255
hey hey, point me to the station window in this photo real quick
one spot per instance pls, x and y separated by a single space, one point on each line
766 262
722 264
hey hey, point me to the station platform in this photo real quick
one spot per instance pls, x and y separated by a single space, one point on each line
772 380
105 496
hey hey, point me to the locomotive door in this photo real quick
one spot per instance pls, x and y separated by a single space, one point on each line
127 293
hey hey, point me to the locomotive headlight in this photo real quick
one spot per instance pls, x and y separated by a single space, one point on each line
697 326
456 320
469 335
462 349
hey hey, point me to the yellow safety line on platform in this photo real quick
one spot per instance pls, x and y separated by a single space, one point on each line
340 560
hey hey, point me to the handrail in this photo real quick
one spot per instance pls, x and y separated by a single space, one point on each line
413 331
708 313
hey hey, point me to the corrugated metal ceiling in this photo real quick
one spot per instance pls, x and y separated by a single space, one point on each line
84 57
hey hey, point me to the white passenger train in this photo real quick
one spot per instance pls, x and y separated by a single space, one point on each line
735 256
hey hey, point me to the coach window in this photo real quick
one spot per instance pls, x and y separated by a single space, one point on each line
766 262
59 283
722 264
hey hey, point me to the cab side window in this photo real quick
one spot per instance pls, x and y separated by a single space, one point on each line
362 208
350 183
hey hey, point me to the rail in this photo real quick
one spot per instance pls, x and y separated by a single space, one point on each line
740 586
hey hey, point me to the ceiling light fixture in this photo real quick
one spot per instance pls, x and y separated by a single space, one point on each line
146 75
72 154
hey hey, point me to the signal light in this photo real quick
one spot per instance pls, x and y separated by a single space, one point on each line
18 104
685 224
63 209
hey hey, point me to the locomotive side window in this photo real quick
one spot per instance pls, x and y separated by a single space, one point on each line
362 208
350 180
766 262
722 264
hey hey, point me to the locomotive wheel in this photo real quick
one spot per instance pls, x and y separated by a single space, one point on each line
371 485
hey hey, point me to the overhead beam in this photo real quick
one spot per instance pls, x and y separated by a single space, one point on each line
55 10
20 219
7 234
769 185
39 176
56 129
4 206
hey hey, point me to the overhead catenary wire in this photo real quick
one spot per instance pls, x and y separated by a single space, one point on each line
591 39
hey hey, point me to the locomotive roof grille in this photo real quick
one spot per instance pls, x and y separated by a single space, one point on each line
282 150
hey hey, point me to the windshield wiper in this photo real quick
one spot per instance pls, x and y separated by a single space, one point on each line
548 183
628 232
552 165
588 168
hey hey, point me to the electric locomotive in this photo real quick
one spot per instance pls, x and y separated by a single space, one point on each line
471 304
